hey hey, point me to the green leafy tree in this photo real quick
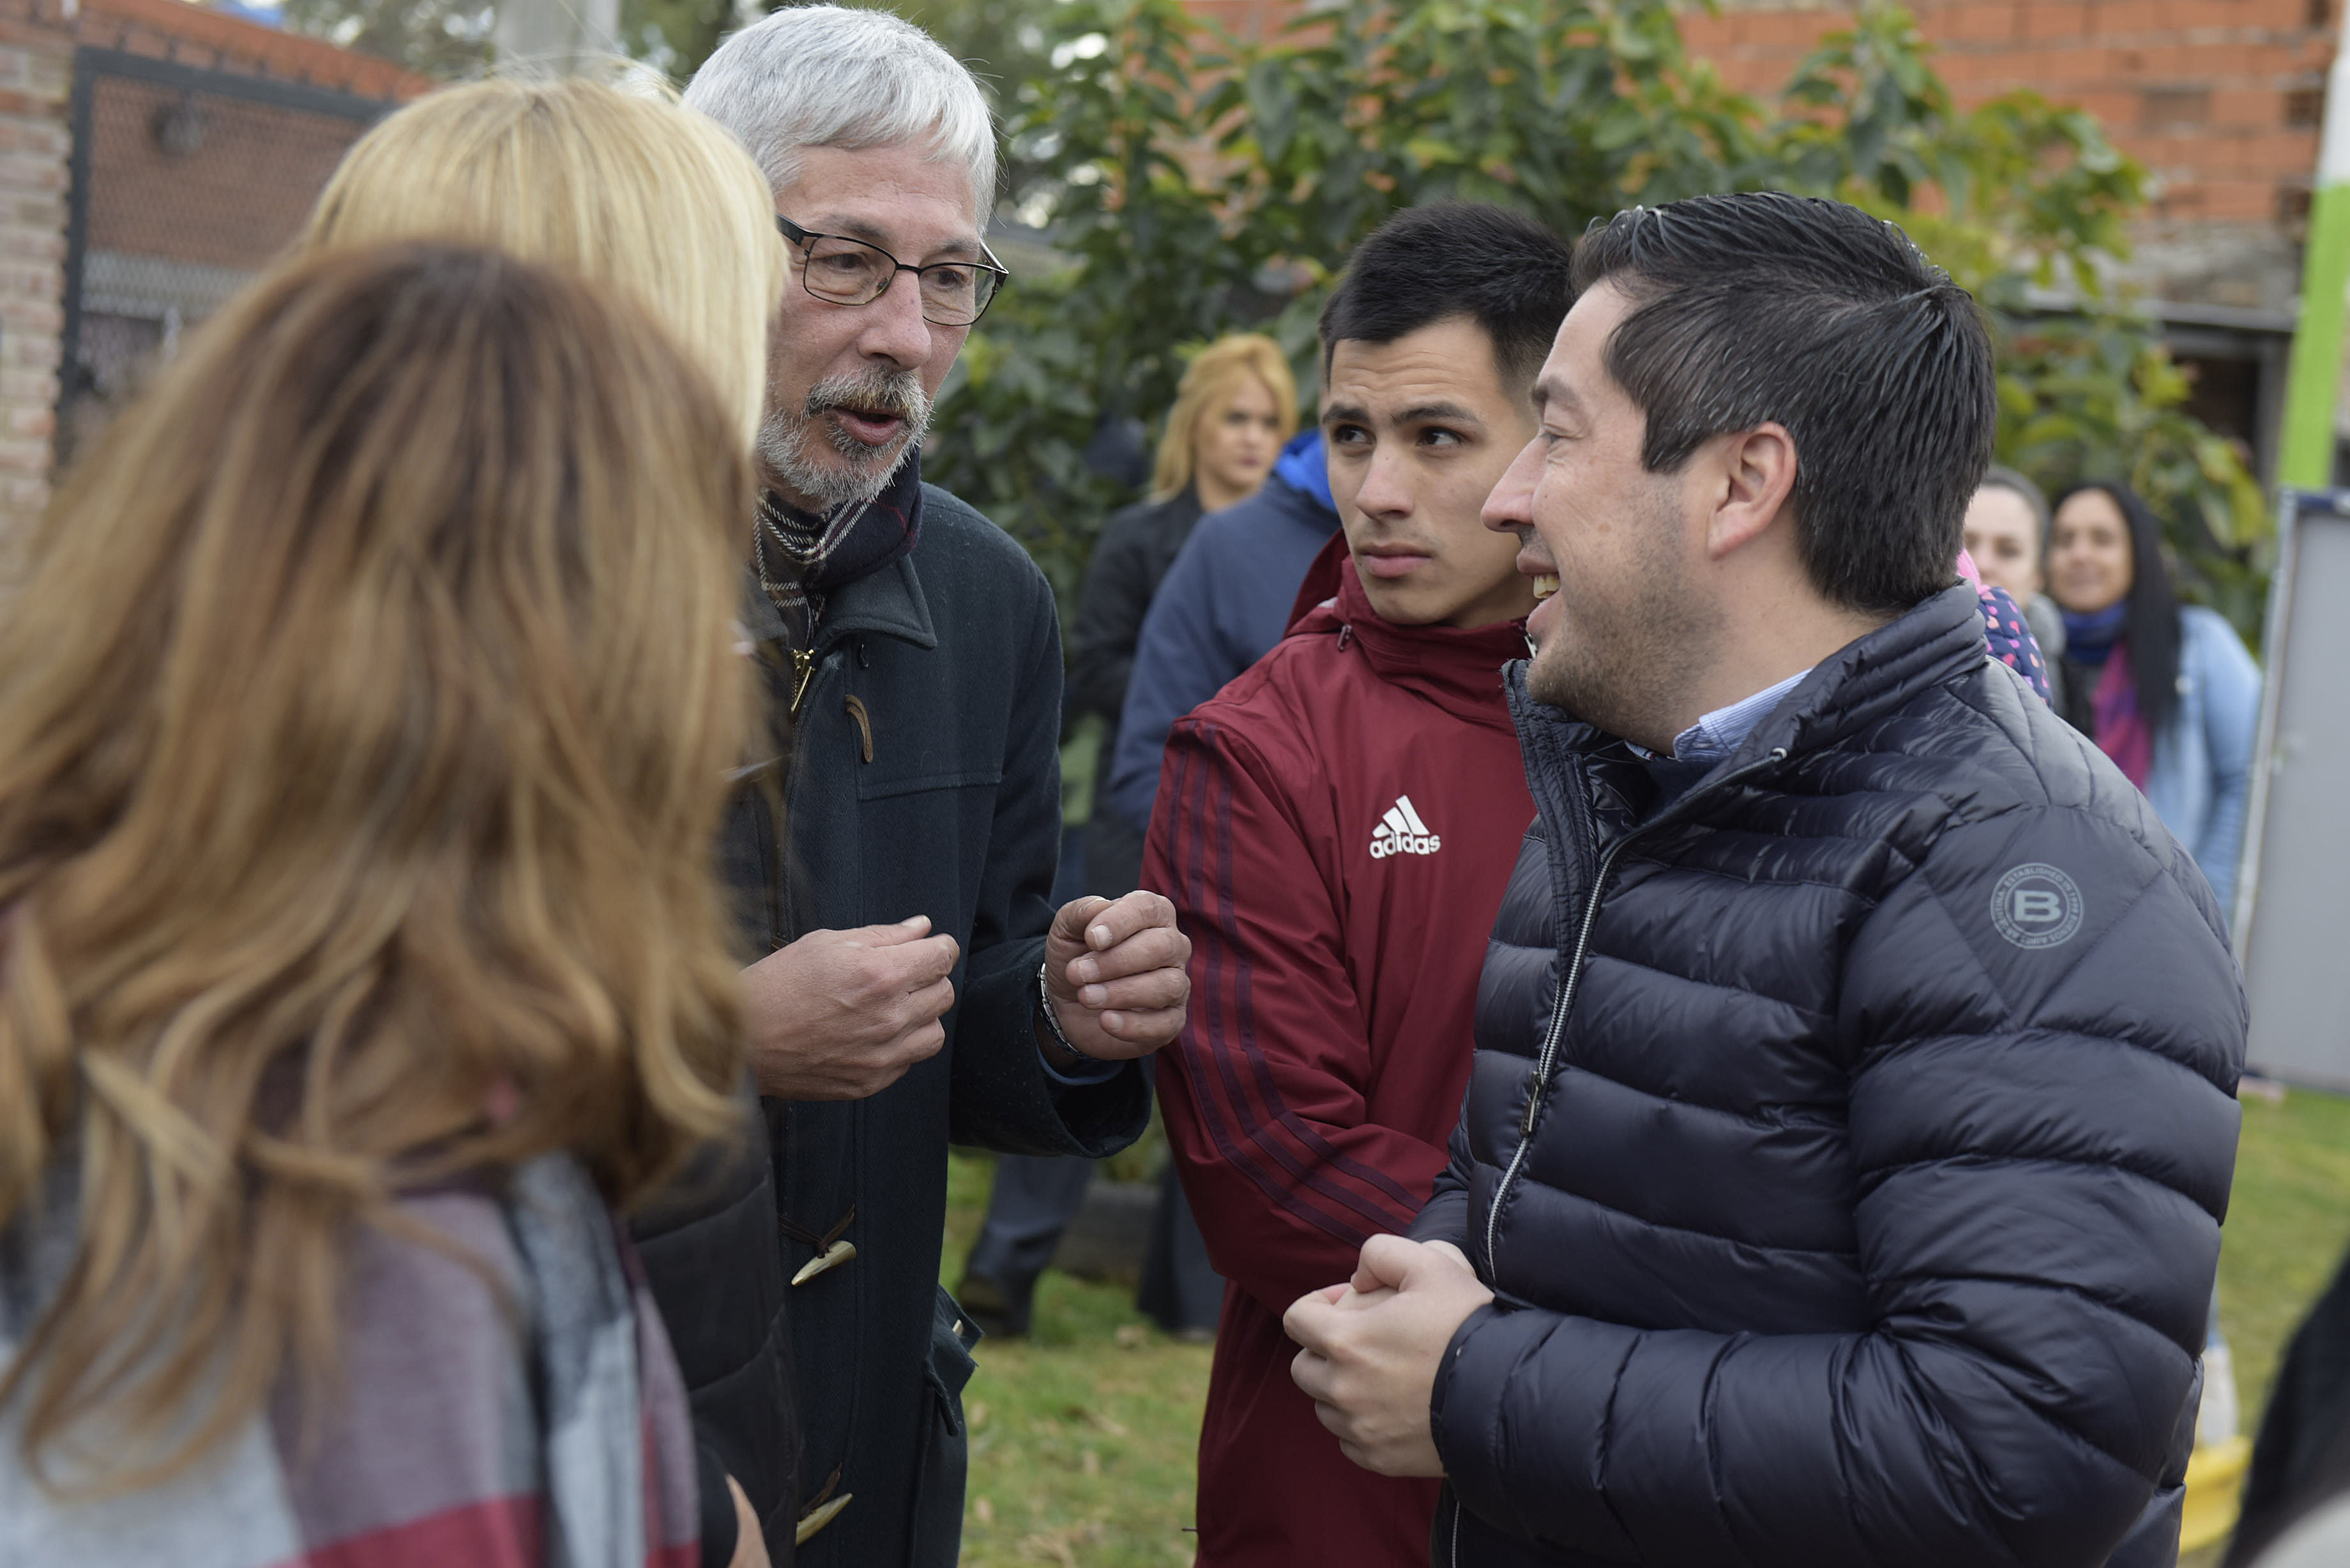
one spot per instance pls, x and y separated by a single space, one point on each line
1004 42
1195 184
444 38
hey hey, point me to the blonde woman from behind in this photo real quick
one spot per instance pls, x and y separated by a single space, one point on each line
639 194
366 699
651 200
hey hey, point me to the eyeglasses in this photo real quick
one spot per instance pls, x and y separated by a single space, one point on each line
843 271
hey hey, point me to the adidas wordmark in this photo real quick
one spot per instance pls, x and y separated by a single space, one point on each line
1401 832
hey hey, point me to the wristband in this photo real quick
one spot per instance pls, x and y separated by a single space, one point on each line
1051 1019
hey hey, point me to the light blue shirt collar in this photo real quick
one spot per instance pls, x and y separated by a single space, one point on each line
1724 730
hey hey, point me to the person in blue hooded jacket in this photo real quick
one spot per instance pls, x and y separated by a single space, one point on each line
1224 604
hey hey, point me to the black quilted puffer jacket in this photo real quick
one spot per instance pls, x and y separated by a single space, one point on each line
1846 1143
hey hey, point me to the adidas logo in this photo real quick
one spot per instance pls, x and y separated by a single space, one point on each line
1401 832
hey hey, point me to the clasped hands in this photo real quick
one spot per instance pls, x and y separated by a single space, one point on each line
841 1015
1372 1347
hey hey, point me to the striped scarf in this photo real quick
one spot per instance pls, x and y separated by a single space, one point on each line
801 557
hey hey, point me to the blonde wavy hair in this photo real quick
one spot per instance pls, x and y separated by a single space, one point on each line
1220 370
366 701
638 193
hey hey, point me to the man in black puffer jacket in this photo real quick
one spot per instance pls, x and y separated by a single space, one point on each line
1851 1119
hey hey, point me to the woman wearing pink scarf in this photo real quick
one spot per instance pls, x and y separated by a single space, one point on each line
2167 690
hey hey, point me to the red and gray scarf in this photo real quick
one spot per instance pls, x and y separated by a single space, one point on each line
507 1399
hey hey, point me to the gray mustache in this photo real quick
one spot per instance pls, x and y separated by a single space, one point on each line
889 392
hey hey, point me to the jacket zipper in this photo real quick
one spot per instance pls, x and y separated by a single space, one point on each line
1548 1061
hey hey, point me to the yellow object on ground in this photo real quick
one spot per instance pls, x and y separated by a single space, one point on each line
2215 1490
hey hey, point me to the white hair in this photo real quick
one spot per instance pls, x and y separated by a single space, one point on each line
825 76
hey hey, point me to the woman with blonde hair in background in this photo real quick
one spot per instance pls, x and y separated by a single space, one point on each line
1235 409
651 199
366 702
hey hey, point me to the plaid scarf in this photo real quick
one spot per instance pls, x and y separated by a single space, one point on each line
801 557
2122 732
537 1422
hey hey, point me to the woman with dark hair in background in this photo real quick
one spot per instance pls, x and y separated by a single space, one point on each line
2167 690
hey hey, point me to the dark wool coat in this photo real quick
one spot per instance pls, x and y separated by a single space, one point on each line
1138 546
925 778
733 1344
1129 561
1847 1143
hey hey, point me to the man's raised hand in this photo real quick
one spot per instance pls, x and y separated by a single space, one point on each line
1115 970
840 1015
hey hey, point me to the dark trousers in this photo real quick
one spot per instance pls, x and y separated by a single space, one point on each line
1035 1199
1180 1288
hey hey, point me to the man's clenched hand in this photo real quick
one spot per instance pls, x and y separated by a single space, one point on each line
1373 1345
1115 972
838 1015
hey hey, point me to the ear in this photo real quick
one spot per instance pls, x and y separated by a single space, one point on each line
1755 475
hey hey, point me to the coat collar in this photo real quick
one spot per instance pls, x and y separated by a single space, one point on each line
889 602
1857 686
1458 668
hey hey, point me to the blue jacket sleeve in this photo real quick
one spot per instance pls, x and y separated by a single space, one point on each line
2042 1144
2231 684
1445 1215
1179 663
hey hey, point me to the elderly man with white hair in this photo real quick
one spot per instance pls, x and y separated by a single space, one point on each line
893 858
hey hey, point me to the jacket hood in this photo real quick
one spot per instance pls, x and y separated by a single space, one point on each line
1458 668
1304 468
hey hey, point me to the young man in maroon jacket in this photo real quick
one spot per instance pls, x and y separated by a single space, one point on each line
1336 829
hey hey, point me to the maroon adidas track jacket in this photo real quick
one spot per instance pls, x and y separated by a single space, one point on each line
1336 829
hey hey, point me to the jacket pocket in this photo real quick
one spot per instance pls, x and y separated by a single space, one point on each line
946 1445
884 785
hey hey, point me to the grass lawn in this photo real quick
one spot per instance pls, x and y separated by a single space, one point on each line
1083 1436
2288 1222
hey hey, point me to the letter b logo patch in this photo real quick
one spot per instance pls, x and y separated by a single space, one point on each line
2036 906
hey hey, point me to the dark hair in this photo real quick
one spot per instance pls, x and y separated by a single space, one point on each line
2152 624
1499 268
1999 477
1764 307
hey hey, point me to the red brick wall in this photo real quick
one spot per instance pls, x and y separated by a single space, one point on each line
175 30
235 202
37 39
36 79
2220 99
